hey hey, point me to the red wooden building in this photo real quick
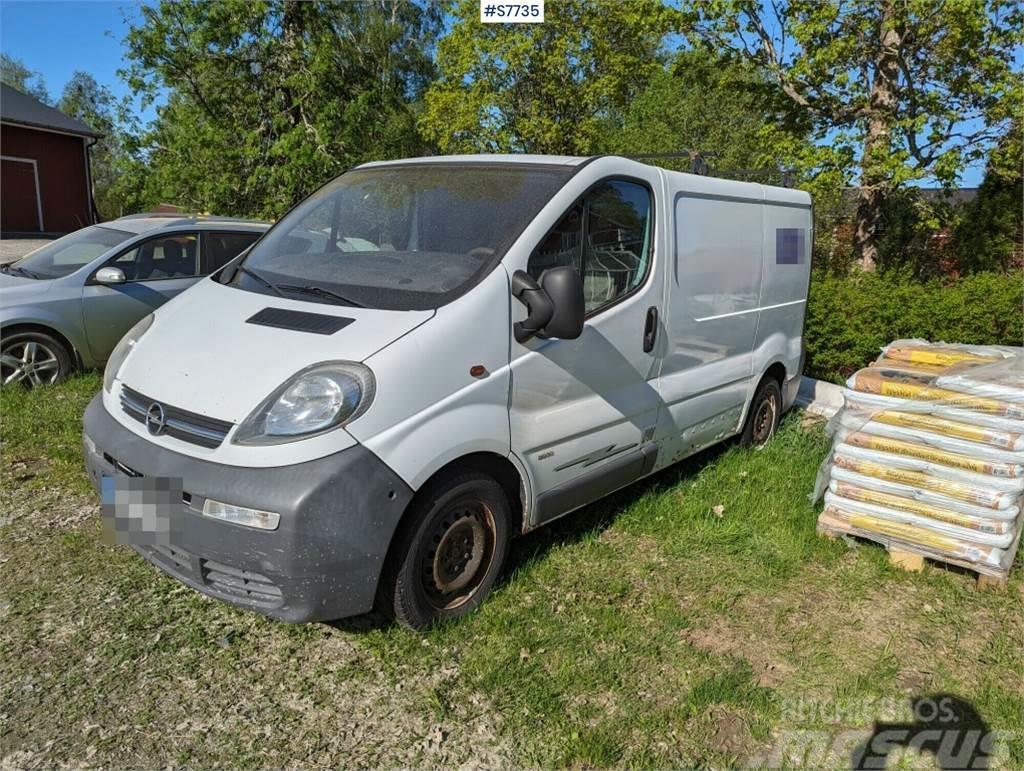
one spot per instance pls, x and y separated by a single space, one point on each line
45 178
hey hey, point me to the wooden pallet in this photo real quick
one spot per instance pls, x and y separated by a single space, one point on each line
914 561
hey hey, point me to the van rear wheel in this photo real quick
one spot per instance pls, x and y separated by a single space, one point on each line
764 415
449 552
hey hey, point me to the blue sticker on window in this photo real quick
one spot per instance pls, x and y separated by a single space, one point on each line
789 246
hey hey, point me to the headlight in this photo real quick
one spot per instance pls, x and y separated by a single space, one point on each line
317 399
122 349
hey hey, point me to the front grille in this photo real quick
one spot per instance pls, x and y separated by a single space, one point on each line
220 579
177 560
181 424
240 583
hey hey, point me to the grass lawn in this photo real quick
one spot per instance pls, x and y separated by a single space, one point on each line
694 619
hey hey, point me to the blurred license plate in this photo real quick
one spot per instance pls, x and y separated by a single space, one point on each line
140 511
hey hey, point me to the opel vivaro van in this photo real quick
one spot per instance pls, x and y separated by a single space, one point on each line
428 357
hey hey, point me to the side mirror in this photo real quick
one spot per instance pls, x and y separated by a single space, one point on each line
554 307
110 275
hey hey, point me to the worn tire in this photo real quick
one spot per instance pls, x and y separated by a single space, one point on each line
50 359
764 414
449 551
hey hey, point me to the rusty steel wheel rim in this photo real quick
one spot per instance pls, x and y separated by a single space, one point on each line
458 555
764 419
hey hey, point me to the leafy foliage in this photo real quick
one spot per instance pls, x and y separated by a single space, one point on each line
724 108
542 88
913 227
268 100
115 168
15 74
850 318
922 88
991 234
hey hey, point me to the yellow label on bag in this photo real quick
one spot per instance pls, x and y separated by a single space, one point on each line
905 532
936 356
923 481
917 368
911 534
947 427
952 398
897 447
847 490
907 386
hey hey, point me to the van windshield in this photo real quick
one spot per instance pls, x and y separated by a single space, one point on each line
404 237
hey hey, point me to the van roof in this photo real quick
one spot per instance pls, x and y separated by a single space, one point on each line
693 182
545 160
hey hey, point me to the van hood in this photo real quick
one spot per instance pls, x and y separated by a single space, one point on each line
205 353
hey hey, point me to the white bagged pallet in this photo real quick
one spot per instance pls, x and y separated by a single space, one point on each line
928 454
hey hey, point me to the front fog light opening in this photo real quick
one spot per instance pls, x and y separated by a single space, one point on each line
241 515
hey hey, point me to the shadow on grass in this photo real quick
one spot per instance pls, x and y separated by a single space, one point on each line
946 727
596 517
593 518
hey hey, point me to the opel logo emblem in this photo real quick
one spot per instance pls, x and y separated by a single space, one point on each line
156 421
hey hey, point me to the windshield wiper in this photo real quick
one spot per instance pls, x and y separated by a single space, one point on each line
260 278
8 268
320 292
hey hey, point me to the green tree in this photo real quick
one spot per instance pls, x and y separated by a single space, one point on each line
911 227
991 235
269 99
542 88
921 87
728 110
113 166
15 74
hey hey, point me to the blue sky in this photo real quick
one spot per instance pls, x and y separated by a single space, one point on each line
57 37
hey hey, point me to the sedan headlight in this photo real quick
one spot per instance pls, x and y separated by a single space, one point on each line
122 349
317 399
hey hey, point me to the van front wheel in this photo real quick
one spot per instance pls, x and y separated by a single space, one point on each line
450 551
764 415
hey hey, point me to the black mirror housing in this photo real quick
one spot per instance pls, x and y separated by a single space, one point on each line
565 288
555 306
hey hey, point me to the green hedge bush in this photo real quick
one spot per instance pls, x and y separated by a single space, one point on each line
849 318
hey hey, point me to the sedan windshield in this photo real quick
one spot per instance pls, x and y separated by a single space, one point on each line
401 237
66 255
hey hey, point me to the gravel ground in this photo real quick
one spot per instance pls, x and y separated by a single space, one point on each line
12 249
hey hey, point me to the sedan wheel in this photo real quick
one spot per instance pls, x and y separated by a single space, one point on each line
32 359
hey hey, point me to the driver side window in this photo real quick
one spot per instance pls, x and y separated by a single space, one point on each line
605 237
171 256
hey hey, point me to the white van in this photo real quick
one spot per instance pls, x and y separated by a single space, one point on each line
427 357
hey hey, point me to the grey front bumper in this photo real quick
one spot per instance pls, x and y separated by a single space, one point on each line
324 560
789 391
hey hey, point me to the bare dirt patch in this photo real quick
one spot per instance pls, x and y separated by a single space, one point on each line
723 638
799 634
729 734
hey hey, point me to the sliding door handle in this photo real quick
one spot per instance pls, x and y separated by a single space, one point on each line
650 329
